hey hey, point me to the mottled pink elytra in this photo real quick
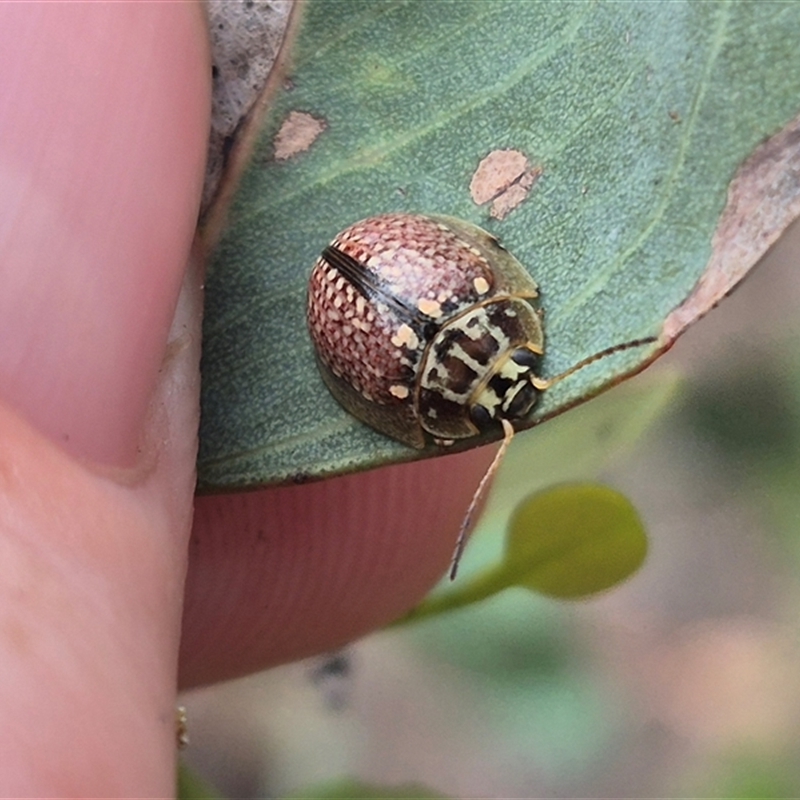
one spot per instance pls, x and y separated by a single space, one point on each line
424 328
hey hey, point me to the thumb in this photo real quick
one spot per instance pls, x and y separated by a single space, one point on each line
105 117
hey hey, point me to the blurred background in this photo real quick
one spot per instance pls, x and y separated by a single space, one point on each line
683 681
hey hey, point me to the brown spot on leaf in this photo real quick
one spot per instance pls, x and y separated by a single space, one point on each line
298 132
504 177
763 200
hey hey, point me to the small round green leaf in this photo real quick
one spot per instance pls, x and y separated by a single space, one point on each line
574 540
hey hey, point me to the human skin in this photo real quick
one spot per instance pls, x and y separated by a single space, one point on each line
104 110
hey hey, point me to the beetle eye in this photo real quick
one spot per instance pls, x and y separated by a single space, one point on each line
522 402
525 357
480 416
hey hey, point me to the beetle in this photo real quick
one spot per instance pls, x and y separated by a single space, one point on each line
425 328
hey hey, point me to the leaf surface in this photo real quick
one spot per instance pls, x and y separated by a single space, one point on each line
633 119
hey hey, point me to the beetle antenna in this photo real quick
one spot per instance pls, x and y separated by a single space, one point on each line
480 492
546 383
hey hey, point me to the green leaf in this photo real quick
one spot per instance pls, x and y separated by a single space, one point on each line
637 115
574 540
